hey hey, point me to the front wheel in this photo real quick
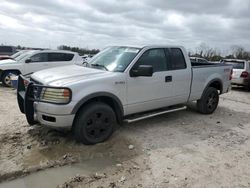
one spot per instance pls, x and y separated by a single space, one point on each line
209 101
94 123
6 79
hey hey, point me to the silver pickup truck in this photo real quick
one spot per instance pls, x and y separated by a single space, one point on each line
119 84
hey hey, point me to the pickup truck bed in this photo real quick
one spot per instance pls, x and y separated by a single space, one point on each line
203 74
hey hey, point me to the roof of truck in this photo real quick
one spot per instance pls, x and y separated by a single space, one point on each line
148 46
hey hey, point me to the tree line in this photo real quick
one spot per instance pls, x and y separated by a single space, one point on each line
81 51
213 54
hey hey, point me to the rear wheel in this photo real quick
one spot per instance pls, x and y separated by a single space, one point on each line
209 101
94 123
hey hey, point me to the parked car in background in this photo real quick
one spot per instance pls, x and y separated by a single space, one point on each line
35 60
3 57
199 60
7 50
120 84
86 58
241 72
15 55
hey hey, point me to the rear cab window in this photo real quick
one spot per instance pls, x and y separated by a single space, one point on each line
177 60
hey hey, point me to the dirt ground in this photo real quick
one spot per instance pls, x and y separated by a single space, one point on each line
182 149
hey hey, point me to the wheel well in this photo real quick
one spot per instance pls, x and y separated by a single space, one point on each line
109 101
11 70
217 85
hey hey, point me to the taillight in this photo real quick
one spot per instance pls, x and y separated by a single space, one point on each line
231 75
244 74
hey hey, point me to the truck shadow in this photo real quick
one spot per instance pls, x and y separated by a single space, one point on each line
188 127
165 131
239 89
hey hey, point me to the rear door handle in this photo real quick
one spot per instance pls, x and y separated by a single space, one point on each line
168 79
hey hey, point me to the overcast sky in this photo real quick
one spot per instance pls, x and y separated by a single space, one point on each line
100 23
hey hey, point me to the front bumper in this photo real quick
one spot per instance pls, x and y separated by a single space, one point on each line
29 105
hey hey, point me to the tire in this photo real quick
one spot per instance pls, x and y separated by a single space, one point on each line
209 101
94 123
6 79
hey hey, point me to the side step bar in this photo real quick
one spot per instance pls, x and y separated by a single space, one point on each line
153 114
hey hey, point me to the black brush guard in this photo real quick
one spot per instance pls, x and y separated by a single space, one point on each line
25 99
27 95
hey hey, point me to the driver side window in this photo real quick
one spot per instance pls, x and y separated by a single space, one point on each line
154 57
42 57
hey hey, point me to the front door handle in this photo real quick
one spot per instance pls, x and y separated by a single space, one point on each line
168 79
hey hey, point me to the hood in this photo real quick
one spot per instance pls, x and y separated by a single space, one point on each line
61 76
7 61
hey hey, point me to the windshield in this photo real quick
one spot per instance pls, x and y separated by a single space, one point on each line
14 56
23 55
236 64
114 59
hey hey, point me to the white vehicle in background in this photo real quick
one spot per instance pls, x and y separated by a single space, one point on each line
241 72
86 58
35 60
14 56
199 60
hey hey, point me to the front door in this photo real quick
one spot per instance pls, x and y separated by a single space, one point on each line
147 93
37 62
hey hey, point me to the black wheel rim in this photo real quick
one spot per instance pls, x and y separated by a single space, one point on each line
98 126
212 101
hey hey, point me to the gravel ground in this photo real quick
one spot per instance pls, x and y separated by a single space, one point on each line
182 149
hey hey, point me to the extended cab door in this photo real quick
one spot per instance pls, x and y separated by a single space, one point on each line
179 68
146 93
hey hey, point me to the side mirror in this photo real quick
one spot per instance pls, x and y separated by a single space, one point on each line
28 60
143 70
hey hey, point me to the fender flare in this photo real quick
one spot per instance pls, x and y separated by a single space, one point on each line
211 81
118 104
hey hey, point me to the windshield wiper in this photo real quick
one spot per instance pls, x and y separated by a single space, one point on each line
99 65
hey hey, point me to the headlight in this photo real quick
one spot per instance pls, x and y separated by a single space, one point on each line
55 95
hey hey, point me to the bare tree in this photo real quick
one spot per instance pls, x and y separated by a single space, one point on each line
239 52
